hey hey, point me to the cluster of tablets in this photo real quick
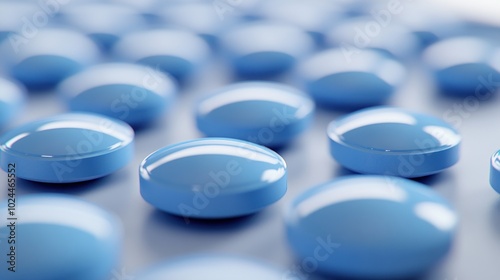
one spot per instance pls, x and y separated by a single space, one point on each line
119 67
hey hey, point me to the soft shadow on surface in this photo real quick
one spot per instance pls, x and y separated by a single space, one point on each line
432 180
321 276
26 186
495 217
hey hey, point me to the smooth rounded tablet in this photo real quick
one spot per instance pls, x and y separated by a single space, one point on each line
265 48
47 58
176 52
465 66
495 172
213 178
393 141
132 93
364 226
337 79
67 148
265 113
58 237
12 98
212 267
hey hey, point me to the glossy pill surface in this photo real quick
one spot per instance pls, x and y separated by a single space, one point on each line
131 93
67 148
213 178
393 141
12 98
363 226
269 114
60 237
495 172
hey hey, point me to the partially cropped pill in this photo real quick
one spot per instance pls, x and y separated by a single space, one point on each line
212 267
132 93
43 60
265 113
371 227
67 148
177 52
464 66
342 80
393 141
12 98
58 237
213 178
495 172
17 17
265 48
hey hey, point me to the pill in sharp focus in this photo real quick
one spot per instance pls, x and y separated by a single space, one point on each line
12 98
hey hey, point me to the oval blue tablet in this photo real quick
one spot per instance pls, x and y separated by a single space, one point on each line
213 178
265 48
132 93
59 237
49 57
176 52
67 148
495 172
393 141
366 78
472 73
265 113
12 98
378 227
212 267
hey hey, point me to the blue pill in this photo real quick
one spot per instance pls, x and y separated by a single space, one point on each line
364 226
12 98
59 237
213 178
366 78
212 267
176 52
265 48
393 141
47 58
67 148
132 93
265 113
471 73
495 172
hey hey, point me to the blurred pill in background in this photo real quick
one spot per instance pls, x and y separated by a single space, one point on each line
495 171
269 114
12 97
16 17
338 79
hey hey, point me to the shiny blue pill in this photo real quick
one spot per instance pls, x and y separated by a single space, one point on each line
174 51
393 141
265 48
376 227
212 267
12 98
367 78
67 148
58 237
132 93
495 172
213 178
472 73
269 114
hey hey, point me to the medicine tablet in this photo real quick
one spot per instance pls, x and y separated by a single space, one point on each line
364 226
59 237
495 172
12 98
365 78
393 141
212 267
67 148
265 113
132 93
213 178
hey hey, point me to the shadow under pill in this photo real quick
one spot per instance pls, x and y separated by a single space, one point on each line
26 186
495 217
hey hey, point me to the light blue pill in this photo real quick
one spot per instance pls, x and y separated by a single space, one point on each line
177 52
132 93
213 178
44 59
393 141
67 148
265 48
495 172
265 113
472 73
376 227
58 237
212 267
338 80
12 98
